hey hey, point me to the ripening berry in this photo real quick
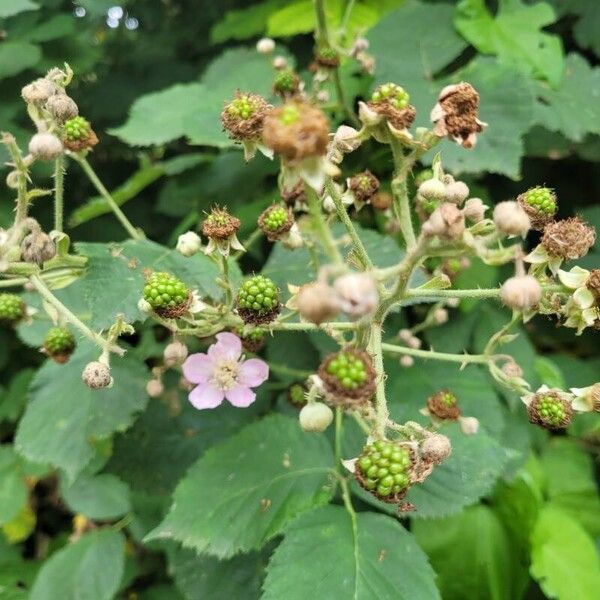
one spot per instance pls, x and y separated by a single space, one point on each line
258 300
328 58
540 205
59 344
391 102
392 94
297 395
384 468
549 410
12 309
78 134
443 405
286 82
315 417
167 295
275 221
348 377
243 117
252 340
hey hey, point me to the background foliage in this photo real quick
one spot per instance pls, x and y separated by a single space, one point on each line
514 513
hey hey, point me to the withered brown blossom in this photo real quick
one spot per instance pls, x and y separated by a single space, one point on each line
363 185
570 238
244 116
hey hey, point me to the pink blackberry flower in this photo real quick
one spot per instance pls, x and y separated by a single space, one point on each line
221 373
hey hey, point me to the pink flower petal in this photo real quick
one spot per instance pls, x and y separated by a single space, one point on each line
198 368
228 347
253 372
240 396
206 396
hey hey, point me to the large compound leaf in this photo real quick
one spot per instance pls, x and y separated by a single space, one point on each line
325 555
474 544
8 8
64 417
564 558
245 490
514 35
90 569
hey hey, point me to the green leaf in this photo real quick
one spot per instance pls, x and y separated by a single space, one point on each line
13 400
16 57
588 23
200 577
297 17
549 373
509 116
244 23
99 497
245 490
56 27
564 559
474 544
514 35
64 416
13 490
411 51
375 557
90 569
574 107
16 573
124 263
9 8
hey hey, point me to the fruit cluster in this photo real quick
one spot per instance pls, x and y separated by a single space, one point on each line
77 128
12 309
348 369
393 94
59 343
167 294
258 300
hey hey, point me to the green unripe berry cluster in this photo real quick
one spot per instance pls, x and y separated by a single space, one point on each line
285 81
59 340
12 308
77 128
256 335
542 200
551 411
392 93
297 395
258 294
163 291
449 399
328 53
289 115
242 107
275 218
384 467
348 369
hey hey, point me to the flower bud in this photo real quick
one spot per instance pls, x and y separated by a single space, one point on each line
474 210
360 45
432 189
407 361
12 180
45 146
62 108
265 45
189 243
357 294
37 92
175 353
280 62
381 201
317 302
447 222
154 388
315 417
414 342
405 335
511 219
469 425
436 448
457 192
511 369
96 375
521 292
37 248
440 316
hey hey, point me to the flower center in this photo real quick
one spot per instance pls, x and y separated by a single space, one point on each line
225 375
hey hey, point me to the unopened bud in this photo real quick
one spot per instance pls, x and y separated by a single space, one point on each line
175 353
37 92
12 180
154 388
521 292
474 210
405 335
469 425
45 146
265 45
407 361
432 189
511 219
440 316
447 221
317 302
414 342
315 417
62 108
189 243
357 294
436 448
96 375
512 369
457 192
37 248
280 62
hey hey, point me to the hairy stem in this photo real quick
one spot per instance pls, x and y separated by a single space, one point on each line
431 354
376 351
59 178
400 193
320 228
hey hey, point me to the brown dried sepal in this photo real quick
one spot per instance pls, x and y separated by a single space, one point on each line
294 195
60 357
459 120
220 225
275 234
364 185
440 409
339 395
249 128
255 317
307 136
86 143
593 283
398 118
570 238
174 312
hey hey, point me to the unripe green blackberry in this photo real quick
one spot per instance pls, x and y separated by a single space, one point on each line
258 300
384 469
550 410
252 340
59 344
540 205
167 295
443 405
297 395
393 94
275 221
12 309
348 377
286 82
328 58
78 134
243 117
